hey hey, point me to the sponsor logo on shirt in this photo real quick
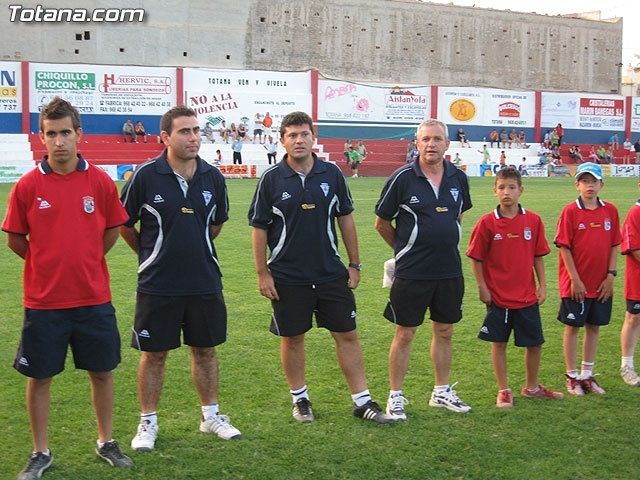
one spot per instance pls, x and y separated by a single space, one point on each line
144 333
207 195
454 193
43 204
527 233
581 226
414 199
285 196
187 211
497 236
158 199
88 204
325 188
442 209
513 235
308 206
607 224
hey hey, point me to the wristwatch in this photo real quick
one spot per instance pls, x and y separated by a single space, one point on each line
612 272
356 266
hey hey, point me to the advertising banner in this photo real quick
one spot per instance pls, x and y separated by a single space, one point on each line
244 96
104 89
347 101
635 114
10 87
582 111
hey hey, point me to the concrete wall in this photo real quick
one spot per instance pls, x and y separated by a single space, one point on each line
399 41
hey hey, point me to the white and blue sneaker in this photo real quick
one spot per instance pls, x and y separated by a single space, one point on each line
395 407
221 426
448 399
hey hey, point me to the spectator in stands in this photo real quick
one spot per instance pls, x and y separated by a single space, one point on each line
601 154
257 128
636 148
412 151
628 148
242 131
462 138
128 130
555 140
233 132
503 159
217 160
457 160
236 146
575 155
608 155
346 149
207 132
224 132
504 139
614 142
547 139
494 137
267 122
140 131
522 138
559 131
513 138
271 146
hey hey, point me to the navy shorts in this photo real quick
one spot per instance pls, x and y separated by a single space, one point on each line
333 303
159 320
409 300
633 307
91 331
524 322
589 311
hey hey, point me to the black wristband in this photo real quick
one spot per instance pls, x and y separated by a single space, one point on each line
612 272
356 266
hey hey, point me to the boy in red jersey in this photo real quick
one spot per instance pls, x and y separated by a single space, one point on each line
629 335
587 235
506 247
62 219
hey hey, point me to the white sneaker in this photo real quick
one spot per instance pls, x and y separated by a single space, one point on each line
630 376
449 399
395 407
145 439
220 425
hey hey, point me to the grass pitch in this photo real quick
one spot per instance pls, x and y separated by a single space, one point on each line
589 437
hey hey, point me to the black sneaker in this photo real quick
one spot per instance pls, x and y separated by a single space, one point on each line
37 464
302 411
372 411
110 453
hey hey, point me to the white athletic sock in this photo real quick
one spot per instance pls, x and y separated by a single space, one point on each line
209 411
572 373
361 398
627 362
587 370
151 417
302 392
440 388
100 444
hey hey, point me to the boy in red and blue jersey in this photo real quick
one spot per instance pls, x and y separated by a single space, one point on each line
629 335
588 236
507 246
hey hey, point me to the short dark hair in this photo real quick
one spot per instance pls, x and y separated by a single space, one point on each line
509 172
166 122
57 109
295 118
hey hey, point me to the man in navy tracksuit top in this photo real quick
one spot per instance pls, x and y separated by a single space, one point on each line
425 200
293 212
181 204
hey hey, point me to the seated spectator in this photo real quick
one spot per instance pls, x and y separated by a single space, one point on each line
494 137
207 132
608 155
233 132
522 138
242 131
504 139
601 153
462 138
555 140
140 131
224 132
593 156
575 155
128 130
513 138
547 139
543 150
217 160
628 149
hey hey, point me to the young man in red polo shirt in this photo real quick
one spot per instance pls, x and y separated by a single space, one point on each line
587 235
629 335
506 248
66 283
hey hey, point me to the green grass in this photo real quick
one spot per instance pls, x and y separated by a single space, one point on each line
587 437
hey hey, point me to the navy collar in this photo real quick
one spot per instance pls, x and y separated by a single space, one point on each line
497 213
318 167
449 168
162 165
45 168
581 206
